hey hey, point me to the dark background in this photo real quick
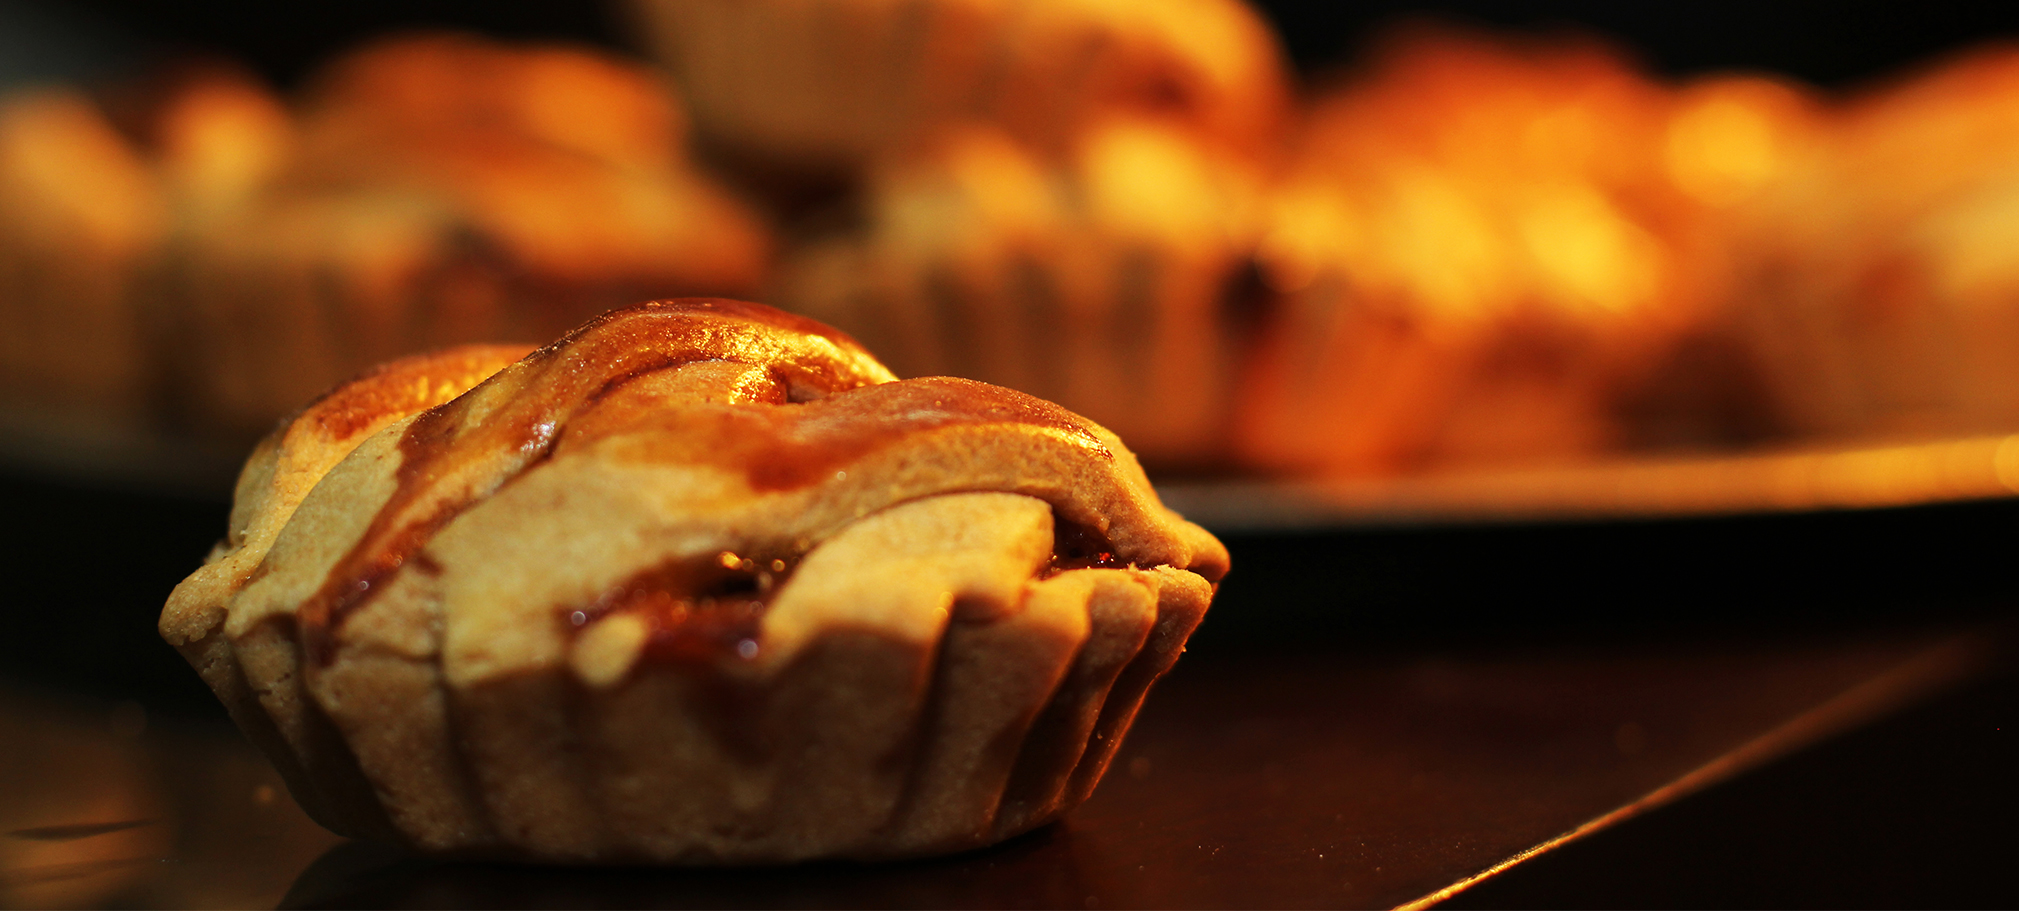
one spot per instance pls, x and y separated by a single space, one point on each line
1832 44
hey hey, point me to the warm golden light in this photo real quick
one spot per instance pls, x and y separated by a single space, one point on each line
1470 247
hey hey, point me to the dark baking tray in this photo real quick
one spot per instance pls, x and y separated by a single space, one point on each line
1374 714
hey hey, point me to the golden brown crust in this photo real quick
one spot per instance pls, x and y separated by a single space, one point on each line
1882 274
807 84
83 218
694 541
282 470
429 190
1483 249
290 461
1107 278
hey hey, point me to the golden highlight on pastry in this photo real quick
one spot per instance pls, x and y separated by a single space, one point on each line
81 220
1487 250
432 190
1885 286
813 84
1106 280
700 582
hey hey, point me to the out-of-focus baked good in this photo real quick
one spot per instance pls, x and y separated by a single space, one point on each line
1483 245
436 189
697 583
1886 274
1107 279
81 220
813 84
1051 195
218 136
1731 143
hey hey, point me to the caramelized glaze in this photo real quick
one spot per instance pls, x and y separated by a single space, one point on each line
405 386
788 447
457 453
1076 546
701 612
819 403
696 612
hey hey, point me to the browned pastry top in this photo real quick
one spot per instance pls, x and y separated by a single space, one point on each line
458 452
701 581
778 430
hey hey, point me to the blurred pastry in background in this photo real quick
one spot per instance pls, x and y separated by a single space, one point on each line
1486 250
81 220
434 190
217 135
1731 138
1473 249
1886 298
1108 279
824 85
217 139
1730 143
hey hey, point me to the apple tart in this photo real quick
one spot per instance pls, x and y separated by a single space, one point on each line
701 582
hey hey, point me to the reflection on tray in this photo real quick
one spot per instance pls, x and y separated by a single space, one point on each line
102 805
1792 480
1258 780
